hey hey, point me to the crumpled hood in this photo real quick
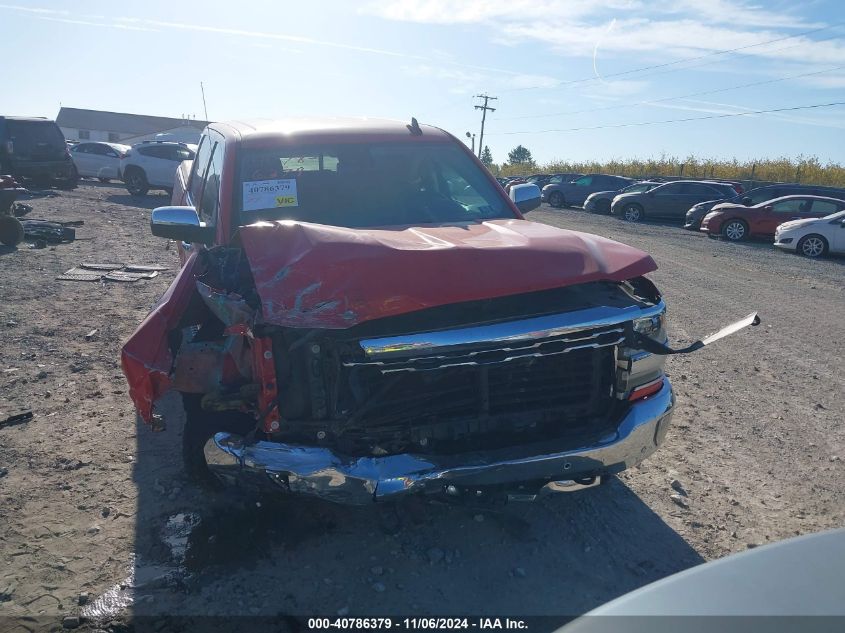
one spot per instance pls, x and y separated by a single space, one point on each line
312 275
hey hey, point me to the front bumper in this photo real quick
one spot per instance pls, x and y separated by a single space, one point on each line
320 472
786 241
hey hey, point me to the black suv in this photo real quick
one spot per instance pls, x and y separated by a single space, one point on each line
33 150
758 195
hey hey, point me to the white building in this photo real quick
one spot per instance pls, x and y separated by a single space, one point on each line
119 127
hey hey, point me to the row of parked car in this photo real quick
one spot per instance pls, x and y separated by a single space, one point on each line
808 219
34 151
144 166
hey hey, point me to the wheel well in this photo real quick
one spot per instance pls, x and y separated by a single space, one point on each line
132 168
734 219
818 235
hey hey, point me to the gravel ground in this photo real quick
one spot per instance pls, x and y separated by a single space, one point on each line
94 508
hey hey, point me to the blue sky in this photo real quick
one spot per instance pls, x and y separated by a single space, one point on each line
554 66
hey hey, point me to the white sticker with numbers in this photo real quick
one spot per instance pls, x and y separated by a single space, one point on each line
269 194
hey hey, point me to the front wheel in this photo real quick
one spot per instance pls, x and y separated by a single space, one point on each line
812 246
632 212
136 183
556 199
735 230
201 426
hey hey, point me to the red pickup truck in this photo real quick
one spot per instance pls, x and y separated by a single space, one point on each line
363 313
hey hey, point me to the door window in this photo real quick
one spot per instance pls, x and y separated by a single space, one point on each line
669 190
586 181
199 167
796 205
210 195
826 207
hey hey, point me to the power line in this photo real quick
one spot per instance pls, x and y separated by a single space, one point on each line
679 61
483 109
699 118
664 99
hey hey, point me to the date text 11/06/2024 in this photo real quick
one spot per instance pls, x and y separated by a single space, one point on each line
355 624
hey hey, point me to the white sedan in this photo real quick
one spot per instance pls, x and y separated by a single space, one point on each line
813 237
98 160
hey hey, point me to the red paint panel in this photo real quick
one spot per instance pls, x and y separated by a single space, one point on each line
311 275
146 357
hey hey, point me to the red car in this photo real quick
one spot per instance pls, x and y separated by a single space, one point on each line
363 313
736 222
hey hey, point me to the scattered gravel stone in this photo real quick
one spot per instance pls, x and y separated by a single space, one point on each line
834 458
479 518
83 598
379 587
41 376
679 501
377 570
343 611
519 572
70 622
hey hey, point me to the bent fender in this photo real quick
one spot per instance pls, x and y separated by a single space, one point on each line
146 358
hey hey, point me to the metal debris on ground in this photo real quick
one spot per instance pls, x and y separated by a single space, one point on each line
97 271
47 230
101 266
144 268
18 418
90 336
80 274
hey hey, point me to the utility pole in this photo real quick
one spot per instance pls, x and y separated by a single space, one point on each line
483 109
472 136
204 109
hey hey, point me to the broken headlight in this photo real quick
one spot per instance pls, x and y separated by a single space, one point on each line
651 326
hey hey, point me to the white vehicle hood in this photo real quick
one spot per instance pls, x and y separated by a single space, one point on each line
797 224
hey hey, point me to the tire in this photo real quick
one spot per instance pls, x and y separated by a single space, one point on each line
201 426
812 246
11 231
633 212
136 182
104 180
556 199
735 230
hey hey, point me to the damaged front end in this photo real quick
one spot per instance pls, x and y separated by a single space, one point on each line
551 387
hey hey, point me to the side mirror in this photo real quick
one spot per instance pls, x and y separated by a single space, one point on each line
180 223
526 197
747 201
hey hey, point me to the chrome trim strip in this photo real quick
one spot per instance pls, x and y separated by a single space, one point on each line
320 472
535 328
475 357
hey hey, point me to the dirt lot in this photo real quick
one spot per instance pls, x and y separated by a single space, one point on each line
93 504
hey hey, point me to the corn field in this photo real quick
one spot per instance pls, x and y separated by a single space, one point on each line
805 170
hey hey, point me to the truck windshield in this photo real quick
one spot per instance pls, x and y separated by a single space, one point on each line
364 185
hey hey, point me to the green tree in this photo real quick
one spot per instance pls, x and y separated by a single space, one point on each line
486 156
520 155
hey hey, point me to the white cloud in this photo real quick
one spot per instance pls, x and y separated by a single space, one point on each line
672 29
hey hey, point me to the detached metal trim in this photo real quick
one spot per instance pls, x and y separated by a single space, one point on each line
502 334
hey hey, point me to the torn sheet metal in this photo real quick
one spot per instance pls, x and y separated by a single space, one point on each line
146 357
230 308
312 275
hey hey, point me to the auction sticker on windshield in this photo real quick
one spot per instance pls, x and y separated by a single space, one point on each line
269 194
